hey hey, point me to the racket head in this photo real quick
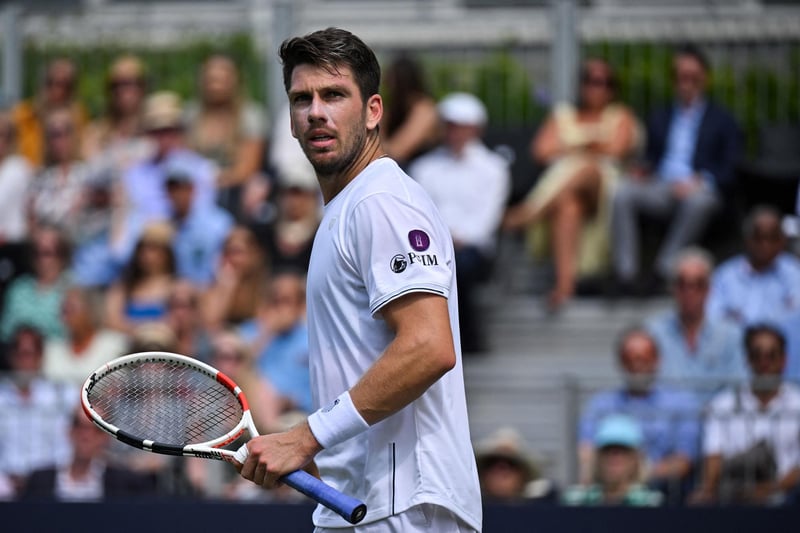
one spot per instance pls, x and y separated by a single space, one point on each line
167 403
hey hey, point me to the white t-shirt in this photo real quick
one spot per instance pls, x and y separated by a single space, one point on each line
736 422
15 178
61 363
470 191
381 238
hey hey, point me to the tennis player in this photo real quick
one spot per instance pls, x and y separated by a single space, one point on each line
386 374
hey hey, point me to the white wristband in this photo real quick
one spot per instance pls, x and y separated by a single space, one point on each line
337 422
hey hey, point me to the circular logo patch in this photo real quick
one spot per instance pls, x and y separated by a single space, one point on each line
419 240
398 263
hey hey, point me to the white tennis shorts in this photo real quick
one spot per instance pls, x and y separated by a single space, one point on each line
423 518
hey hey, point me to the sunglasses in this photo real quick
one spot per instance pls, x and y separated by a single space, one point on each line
766 355
58 133
122 83
58 82
597 81
46 252
696 284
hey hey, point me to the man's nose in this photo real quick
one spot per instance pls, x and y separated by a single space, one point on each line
316 110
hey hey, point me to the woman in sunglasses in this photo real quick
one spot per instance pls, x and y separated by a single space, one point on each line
583 148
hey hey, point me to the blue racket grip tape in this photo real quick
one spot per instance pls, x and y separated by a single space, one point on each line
345 506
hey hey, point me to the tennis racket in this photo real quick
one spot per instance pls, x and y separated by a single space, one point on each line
172 404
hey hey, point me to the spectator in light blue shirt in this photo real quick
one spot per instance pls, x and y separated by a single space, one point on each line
201 229
279 336
697 350
692 149
763 284
669 418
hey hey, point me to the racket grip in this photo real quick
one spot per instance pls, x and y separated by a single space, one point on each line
345 506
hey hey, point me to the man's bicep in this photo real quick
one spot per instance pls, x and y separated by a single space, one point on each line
421 312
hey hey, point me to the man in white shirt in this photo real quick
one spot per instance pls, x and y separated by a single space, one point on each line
752 433
469 183
35 411
391 427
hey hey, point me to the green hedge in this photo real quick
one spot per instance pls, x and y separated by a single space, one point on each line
757 92
175 68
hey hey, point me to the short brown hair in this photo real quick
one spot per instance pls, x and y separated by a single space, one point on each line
331 49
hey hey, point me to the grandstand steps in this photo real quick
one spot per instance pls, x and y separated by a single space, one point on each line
541 367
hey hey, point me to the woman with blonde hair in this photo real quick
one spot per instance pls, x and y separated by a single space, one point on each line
584 148
227 128
118 134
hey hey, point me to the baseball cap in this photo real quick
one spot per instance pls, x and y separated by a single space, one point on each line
162 110
179 167
618 430
463 108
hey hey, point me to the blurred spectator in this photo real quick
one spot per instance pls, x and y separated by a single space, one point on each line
751 447
289 238
36 298
15 177
86 346
165 472
141 295
469 184
696 349
692 149
117 137
231 356
57 193
241 279
279 338
101 237
669 418
227 128
410 125
143 183
183 317
584 148
619 469
200 229
57 91
763 284
35 411
507 469
87 477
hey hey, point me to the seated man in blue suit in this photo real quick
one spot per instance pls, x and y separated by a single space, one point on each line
692 150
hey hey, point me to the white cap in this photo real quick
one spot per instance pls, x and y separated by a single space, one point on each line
463 108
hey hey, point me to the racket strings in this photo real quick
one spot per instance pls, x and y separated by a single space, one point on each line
166 402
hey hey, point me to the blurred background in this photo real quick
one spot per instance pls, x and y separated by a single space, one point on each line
520 58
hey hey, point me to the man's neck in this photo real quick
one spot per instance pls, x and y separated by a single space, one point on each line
334 184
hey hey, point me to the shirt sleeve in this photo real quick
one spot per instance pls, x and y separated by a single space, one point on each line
713 431
398 248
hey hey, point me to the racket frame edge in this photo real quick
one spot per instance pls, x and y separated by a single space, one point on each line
206 450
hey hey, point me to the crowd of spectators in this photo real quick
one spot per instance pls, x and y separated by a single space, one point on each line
187 226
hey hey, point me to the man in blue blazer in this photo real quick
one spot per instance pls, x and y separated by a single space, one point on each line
693 147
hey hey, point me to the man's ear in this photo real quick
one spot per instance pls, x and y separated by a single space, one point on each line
374 111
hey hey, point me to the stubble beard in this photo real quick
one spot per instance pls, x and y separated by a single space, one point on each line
328 169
